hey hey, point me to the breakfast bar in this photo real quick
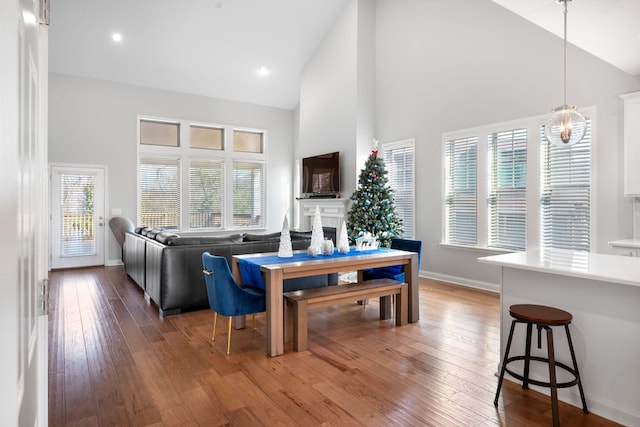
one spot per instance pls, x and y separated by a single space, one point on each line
603 294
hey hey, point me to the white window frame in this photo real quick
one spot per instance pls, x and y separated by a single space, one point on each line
186 154
454 137
532 124
405 143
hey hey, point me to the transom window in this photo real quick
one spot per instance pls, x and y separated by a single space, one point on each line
190 179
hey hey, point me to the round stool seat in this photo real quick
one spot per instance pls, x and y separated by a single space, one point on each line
540 314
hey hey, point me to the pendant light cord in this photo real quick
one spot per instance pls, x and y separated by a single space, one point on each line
565 52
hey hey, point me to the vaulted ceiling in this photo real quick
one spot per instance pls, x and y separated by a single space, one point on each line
216 47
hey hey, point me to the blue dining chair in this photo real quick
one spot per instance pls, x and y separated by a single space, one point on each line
395 271
225 296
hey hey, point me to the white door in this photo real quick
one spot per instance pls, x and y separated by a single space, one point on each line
77 216
23 213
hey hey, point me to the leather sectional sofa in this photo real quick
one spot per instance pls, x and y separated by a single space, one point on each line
168 267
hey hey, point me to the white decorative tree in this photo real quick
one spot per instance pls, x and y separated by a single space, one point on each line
285 250
317 235
343 240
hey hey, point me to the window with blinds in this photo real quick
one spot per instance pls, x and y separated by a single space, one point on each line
248 194
206 194
461 158
399 162
204 183
507 199
565 201
160 192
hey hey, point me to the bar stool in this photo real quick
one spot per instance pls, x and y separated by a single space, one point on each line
543 317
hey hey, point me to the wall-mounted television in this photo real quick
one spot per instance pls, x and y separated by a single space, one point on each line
321 175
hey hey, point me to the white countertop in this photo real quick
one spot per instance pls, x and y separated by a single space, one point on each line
626 243
609 268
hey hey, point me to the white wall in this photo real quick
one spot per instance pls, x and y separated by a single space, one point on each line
337 93
94 122
444 66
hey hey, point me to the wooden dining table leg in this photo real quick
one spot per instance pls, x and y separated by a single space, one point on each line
411 276
239 322
275 313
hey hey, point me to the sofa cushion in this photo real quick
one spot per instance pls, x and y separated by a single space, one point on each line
165 237
152 232
262 237
203 240
297 235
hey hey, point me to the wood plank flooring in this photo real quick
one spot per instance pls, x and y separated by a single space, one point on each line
114 361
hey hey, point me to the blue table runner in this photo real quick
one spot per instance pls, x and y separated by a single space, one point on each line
250 268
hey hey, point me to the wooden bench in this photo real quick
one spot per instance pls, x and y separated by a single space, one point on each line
299 302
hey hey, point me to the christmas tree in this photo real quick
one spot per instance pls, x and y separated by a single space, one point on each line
373 209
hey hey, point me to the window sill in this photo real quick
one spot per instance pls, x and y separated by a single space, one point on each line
484 250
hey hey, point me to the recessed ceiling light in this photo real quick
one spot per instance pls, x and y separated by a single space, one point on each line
262 71
116 37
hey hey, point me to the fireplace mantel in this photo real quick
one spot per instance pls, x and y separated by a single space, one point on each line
332 213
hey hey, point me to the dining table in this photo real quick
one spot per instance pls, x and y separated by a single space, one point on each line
273 270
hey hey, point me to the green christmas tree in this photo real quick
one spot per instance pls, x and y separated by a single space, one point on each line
373 209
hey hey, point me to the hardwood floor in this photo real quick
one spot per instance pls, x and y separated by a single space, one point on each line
113 361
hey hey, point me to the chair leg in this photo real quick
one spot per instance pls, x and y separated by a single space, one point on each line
215 320
254 320
229 337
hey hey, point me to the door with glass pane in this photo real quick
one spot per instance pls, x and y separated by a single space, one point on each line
77 217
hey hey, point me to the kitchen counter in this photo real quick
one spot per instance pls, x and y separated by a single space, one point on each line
603 294
587 265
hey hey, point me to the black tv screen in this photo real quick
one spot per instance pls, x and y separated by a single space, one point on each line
321 175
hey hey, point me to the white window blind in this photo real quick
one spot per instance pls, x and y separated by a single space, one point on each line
160 192
507 200
248 194
399 162
206 194
77 215
461 158
566 194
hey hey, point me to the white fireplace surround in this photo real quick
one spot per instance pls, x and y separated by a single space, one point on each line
332 213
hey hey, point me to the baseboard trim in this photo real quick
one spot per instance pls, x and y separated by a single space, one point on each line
113 262
462 281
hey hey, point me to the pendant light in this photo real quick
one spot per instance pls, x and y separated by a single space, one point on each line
566 126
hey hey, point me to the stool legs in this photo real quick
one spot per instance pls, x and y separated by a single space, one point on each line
553 385
575 366
527 356
504 362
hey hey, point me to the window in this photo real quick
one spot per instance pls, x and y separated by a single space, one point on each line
159 133
206 137
507 201
537 195
190 179
399 162
248 194
160 192
461 191
248 142
565 194
206 194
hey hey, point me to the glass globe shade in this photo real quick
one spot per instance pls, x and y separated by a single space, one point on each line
565 127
